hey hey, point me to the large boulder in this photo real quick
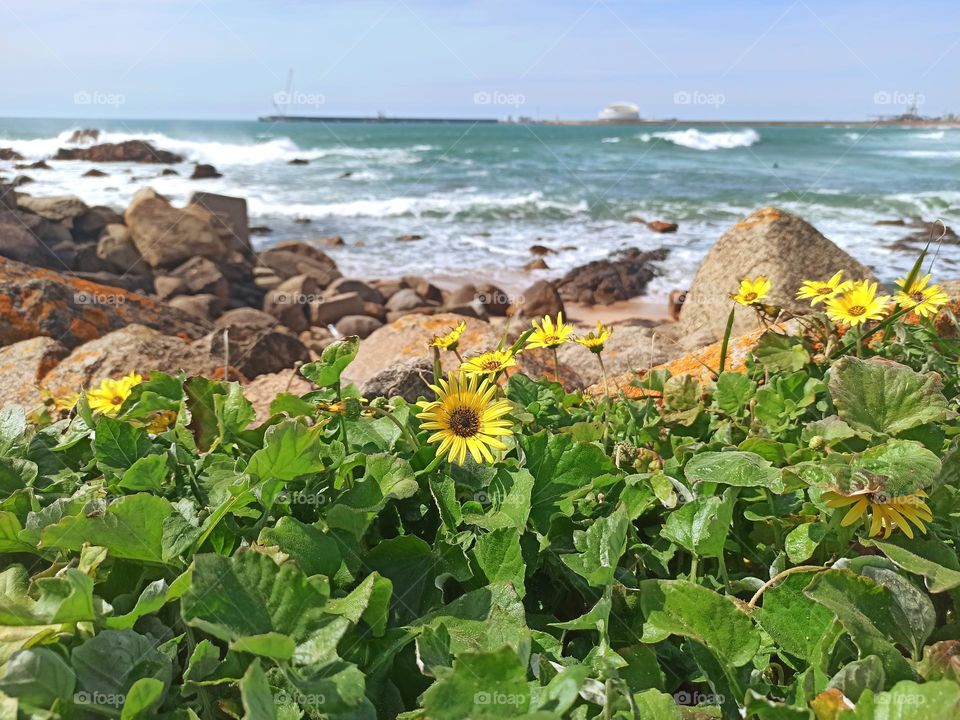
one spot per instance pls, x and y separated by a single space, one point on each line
56 208
603 282
289 259
18 242
36 301
257 343
229 213
200 276
115 248
167 236
23 366
134 348
409 380
408 338
770 242
538 300
128 151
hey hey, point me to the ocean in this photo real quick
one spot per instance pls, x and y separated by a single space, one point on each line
480 195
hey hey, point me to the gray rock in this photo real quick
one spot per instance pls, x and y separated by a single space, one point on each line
201 276
57 208
332 309
365 291
409 380
538 300
167 236
359 325
404 300
204 306
115 247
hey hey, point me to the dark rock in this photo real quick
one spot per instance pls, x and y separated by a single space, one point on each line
303 220
246 317
21 180
359 325
404 300
331 309
602 282
128 151
254 349
10 154
18 242
203 171
131 282
536 264
538 300
84 135
229 216
167 172
410 237
331 241
38 165
200 276
366 292
662 227
298 161
388 288
115 248
203 306
260 230
89 225
410 380
541 250
288 259
429 292
95 173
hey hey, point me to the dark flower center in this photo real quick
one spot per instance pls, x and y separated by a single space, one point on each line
750 296
824 290
491 365
116 400
857 310
918 297
464 422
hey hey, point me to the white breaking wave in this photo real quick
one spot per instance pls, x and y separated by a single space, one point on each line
699 140
610 140
935 135
448 204
275 150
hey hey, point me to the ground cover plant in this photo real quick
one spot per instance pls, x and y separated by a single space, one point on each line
777 543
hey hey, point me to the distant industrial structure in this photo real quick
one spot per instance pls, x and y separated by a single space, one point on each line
620 111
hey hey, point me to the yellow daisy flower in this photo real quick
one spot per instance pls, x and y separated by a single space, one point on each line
887 512
858 305
450 340
752 291
817 291
489 363
111 394
60 402
921 299
466 417
548 335
595 340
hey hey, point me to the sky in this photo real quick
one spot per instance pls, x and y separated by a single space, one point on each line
567 59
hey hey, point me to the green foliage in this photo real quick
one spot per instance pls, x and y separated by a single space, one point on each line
620 560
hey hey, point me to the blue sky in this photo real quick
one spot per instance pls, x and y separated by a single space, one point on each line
753 59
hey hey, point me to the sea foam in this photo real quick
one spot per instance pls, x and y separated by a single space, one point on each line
699 140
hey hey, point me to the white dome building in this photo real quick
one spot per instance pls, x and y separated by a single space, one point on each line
620 111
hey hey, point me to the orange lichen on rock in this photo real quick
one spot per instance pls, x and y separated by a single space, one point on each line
36 302
701 364
763 215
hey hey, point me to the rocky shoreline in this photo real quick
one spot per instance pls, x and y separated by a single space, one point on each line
87 292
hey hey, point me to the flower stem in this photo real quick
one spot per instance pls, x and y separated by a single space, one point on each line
778 577
556 365
726 340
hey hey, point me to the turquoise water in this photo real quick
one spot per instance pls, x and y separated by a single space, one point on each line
481 195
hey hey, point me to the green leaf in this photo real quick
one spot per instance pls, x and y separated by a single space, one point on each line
256 694
481 685
16 474
701 526
794 621
802 541
144 696
682 392
900 466
914 616
929 558
154 596
863 607
734 391
98 660
289 450
38 677
908 700
781 353
370 600
657 705
483 620
679 607
600 548
860 675
884 397
271 644
316 552
13 427
147 473
734 467
130 527
118 445
250 595
562 470
333 361
499 556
